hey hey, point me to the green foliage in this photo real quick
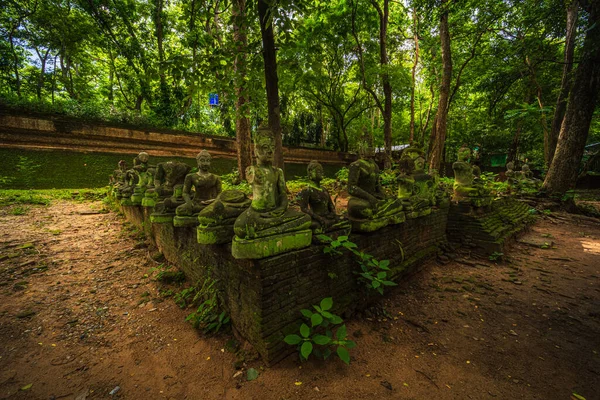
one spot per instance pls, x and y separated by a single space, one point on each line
19 210
373 273
316 335
208 316
45 197
495 256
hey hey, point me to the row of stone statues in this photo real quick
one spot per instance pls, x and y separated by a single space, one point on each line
266 225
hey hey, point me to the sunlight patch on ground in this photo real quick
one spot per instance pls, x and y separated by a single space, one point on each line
591 246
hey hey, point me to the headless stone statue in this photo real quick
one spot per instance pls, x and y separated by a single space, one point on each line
315 201
368 208
199 190
268 226
167 191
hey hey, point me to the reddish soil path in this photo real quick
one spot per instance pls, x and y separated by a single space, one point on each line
79 316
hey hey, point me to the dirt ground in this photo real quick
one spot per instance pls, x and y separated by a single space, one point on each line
80 315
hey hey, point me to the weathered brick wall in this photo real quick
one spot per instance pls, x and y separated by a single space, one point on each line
62 133
488 230
264 297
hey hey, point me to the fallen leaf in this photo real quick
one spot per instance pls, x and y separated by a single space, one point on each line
27 387
297 383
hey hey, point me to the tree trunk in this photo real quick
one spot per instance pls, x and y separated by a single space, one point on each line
242 122
439 129
271 79
414 72
575 127
16 61
565 85
40 82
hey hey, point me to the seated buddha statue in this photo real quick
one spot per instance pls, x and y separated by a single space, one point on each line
315 201
369 209
118 179
131 181
167 191
466 189
268 227
141 169
199 190
215 221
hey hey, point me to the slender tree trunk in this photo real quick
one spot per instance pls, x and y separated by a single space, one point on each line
513 151
15 61
40 82
242 122
538 93
575 127
439 135
271 79
565 85
414 72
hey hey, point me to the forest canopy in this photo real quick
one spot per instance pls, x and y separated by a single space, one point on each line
348 70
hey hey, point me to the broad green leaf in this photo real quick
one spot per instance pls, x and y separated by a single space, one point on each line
381 275
384 264
316 319
336 319
252 374
321 340
324 238
342 238
317 308
326 303
349 245
389 283
326 314
375 284
341 332
350 344
307 313
304 330
343 354
306 349
292 339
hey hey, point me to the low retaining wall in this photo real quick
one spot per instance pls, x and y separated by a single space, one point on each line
264 297
487 229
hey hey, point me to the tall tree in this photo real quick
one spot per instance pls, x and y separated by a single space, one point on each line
574 130
565 84
438 132
242 122
265 16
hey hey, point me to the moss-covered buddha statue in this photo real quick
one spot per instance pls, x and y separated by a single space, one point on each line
315 201
167 191
369 209
466 189
268 227
199 190
118 179
142 171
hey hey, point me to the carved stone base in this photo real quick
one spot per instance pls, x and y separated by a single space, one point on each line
418 213
270 245
149 199
187 220
372 225
162 218
215 234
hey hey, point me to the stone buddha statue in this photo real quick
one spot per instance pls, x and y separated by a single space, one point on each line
131 181
118 179
268 227
199 190
465 187
167 191
528 183
315 201
216 221
141 169
369 209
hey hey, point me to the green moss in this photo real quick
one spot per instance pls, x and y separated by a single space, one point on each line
271 245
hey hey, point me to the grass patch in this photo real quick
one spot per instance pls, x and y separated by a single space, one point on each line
46 196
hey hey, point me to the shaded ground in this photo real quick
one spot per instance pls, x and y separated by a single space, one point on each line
80 315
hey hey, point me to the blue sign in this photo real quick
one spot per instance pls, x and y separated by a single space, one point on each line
213 99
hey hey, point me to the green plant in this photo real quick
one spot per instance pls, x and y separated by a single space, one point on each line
495 256
209 317
318 338
373 273
19 210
